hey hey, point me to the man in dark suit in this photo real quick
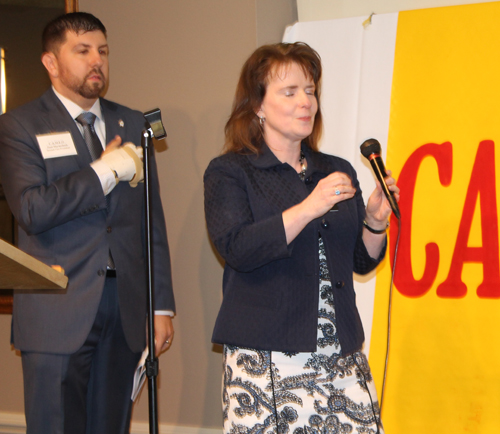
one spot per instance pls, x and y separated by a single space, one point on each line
78 207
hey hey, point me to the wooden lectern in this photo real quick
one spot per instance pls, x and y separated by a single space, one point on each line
20 271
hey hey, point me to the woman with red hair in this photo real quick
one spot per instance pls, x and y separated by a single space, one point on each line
292 227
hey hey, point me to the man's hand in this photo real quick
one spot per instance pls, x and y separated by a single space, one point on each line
124 161
164 333
112 145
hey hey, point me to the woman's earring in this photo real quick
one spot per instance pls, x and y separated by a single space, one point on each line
262 119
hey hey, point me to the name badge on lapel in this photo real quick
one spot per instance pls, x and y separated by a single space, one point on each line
56 145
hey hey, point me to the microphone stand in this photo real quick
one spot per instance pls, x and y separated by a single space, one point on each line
154 128
151 360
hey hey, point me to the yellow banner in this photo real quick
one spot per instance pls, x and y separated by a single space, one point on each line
443 147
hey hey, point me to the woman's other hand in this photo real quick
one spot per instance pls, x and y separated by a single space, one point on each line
378 209
331 190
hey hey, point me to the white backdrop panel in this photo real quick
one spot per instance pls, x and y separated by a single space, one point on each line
355 101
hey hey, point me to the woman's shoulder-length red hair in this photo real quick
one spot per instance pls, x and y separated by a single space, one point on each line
243 130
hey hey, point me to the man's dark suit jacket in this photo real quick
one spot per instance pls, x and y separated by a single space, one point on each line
271 290
63 219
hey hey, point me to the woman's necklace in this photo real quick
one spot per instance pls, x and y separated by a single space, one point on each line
303 166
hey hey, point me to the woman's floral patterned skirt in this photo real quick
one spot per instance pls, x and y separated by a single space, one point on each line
310 393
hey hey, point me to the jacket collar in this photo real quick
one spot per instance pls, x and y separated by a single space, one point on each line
266 159
316 162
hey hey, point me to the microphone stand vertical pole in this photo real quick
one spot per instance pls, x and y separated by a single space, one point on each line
152 360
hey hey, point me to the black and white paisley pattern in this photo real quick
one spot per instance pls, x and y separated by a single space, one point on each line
311 393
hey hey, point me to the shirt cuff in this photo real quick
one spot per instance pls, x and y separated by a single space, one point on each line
105 175
165 312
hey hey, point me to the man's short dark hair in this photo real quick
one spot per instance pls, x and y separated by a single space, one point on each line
54 33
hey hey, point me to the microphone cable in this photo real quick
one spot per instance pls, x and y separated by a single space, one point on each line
389 314
276 417
378 421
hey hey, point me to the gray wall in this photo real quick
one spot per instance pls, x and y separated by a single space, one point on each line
183 57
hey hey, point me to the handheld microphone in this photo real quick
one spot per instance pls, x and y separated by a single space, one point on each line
372 151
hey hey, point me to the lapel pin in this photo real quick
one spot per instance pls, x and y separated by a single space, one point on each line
121 123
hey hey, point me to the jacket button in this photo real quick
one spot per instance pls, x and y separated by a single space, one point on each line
308 180
101 273
339 284
324 223
109 230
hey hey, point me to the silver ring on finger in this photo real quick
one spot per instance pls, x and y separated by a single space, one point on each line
337 191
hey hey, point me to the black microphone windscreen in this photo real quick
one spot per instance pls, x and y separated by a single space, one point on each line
369 147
